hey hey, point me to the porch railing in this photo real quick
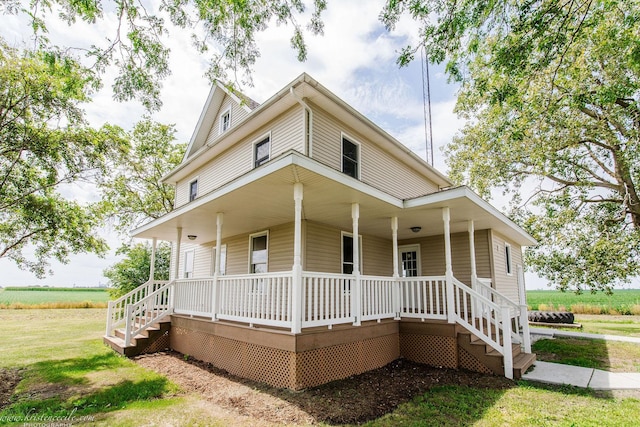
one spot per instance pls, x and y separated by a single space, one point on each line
326 300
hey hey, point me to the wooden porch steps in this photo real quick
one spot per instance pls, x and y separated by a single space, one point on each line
492 359
150 336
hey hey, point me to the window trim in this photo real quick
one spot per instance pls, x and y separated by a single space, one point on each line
254 147
508 259
221 121
407 248
358 145
223 265
250 258
196 180
193 262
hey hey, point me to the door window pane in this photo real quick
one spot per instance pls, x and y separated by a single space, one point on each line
409 264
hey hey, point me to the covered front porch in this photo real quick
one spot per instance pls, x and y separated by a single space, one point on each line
294 299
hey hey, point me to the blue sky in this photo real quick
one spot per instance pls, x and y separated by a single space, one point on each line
355 59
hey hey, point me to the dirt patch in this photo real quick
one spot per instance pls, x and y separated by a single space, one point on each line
353 400
9 379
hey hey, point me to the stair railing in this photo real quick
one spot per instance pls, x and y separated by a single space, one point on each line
117 309
517 312
148 311
485 319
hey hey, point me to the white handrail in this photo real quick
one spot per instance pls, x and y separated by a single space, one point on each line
146 312
485 319
116 309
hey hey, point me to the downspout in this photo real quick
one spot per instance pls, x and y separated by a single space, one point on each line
308 135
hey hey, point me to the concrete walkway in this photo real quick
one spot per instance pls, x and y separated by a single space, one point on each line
597 379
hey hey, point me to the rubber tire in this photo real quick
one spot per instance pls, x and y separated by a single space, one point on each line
551 317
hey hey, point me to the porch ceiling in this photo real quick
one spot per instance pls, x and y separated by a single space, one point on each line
263 198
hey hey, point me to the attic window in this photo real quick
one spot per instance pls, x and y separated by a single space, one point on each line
262 152
225 121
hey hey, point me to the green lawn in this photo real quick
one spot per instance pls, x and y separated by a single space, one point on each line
66 368
52 297
623 301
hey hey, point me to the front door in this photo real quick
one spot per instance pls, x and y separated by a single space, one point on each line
409 260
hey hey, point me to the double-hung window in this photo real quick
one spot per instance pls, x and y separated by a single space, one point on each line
261 152
193 190
350 158
258 252
347 256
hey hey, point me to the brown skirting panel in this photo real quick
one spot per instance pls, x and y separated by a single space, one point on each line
285 360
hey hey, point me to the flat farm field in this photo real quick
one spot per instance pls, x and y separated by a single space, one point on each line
622 302
19 298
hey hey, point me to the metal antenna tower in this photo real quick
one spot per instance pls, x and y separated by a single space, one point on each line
426 103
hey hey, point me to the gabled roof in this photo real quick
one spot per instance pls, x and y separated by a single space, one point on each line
303 87
210 111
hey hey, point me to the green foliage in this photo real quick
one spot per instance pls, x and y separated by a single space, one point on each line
223 29
132 193
45 145
133 270
551 91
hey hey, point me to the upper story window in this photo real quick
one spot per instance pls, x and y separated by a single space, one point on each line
225 120
350 158
262 151
507 258
193 190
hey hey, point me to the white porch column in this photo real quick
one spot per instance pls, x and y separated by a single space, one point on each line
446 217
216 266
296 286
396 275
152 264
472 252
176 267
356 291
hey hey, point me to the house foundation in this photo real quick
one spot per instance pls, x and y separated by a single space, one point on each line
317 355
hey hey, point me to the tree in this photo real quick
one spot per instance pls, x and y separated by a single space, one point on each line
45 147
224 29
552 94
132 193
133 270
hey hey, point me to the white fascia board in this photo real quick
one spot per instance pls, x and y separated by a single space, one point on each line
465 192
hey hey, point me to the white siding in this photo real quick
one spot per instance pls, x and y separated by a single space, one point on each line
286 134
378 167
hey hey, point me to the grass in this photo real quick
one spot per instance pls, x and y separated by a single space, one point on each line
623 301
25 298
525 405
609 325
68 372
607 355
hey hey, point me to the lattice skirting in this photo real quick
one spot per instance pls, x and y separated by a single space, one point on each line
433 350
470 362
282 368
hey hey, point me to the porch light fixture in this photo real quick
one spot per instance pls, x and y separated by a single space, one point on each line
416 229
192 237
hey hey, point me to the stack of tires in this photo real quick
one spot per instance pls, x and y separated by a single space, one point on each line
551 317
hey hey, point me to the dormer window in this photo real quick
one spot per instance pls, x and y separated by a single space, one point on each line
350 158
193 190
262 151
225 121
